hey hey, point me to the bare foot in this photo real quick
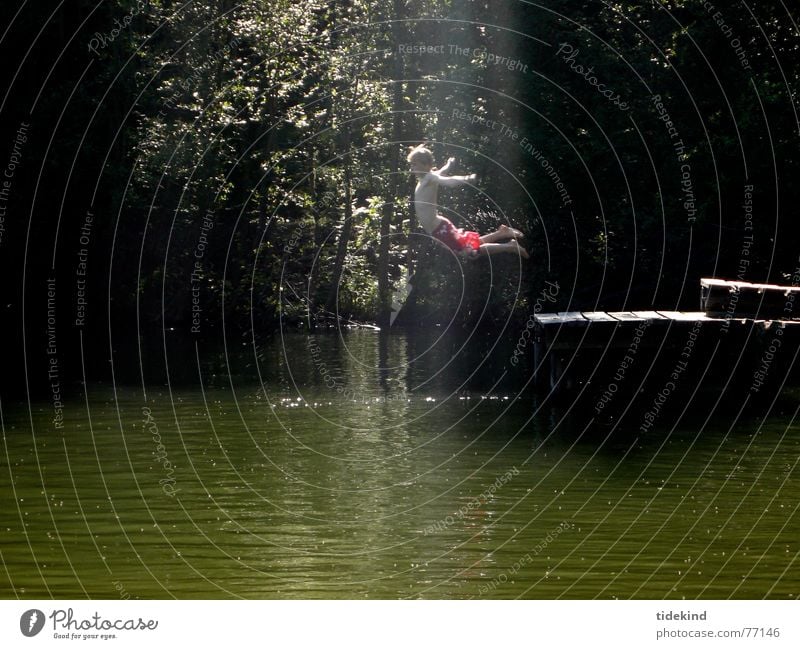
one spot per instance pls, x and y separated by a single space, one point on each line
523 253
511 233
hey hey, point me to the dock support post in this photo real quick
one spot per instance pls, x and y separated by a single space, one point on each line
556 372
541 362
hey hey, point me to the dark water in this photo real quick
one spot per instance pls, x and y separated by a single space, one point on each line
358 466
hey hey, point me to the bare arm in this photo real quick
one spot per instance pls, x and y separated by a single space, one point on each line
454 181
446 168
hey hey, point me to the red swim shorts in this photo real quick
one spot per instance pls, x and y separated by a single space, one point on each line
456 238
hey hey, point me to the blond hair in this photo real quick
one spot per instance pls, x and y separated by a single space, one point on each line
421 154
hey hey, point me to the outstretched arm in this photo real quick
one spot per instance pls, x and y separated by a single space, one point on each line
447 165
455 181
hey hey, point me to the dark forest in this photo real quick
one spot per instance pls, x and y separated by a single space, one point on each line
219 170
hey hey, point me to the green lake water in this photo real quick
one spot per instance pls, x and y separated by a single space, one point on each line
364 467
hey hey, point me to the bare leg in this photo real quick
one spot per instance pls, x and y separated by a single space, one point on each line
509 246
501 234
511 232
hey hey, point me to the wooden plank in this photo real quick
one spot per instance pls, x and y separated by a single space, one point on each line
743 299
546 319
670 315
684 316
565 318
712 281
649 315
562 319
598 316
573 318
694 316
571 315
625 316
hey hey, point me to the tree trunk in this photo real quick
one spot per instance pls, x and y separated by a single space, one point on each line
389 208
311 287
344 236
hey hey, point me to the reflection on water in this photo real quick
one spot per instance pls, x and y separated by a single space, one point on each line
384 466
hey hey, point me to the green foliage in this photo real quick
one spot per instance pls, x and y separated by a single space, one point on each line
272 134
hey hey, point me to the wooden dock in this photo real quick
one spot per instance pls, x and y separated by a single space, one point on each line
724 298
736 317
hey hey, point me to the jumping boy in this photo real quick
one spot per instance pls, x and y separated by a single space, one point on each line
468 244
